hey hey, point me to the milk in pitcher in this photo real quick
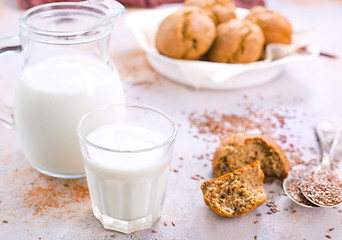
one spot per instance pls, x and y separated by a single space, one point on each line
51 97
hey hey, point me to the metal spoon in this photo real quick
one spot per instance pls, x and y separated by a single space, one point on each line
295 180
329 140
325 132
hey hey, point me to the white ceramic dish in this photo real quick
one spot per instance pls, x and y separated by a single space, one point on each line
201 74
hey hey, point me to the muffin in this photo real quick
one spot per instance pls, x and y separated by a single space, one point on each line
276 27
237 41
236 193
219 10
241 149
187 33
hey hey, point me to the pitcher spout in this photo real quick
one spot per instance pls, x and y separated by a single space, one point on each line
111 9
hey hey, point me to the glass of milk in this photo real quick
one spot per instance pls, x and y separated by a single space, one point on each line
127 153
67 72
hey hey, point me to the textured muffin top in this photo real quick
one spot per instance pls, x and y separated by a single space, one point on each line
276 27
186 34
235 193
219 10
237 41
241 149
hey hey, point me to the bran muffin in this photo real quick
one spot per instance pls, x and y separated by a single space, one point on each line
219 10
187 33
276 27
235 193
241 149
237 41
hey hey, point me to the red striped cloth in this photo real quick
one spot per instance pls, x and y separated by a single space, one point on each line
25 4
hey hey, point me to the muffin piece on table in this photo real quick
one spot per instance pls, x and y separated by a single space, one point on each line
187 33
237 41
236 193
276 27
219 10
241 149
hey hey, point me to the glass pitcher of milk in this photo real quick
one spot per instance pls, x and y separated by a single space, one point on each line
67 72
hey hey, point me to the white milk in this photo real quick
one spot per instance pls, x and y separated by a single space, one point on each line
51 98
127 189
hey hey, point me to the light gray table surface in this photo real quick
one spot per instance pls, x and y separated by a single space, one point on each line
33 206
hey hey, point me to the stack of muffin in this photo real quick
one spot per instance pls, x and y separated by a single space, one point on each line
209 30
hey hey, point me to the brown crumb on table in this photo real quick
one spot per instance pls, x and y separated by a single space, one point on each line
5 221
195 178
173 223
255 222
154 231
294 211
255 237
165 224
258 214
175 170
327 236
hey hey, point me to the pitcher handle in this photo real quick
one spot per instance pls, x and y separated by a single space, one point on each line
8 45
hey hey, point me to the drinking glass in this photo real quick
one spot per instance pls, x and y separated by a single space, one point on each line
127 153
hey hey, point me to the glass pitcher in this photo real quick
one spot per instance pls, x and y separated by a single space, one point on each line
67 72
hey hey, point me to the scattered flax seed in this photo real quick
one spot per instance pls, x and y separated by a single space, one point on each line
114 235
165 224
272 206
181 158
331 229
255 237
323 188
255 222
173 223
271 191
327 236
195 178
175 170
294 211
258 214
154 231
5 221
